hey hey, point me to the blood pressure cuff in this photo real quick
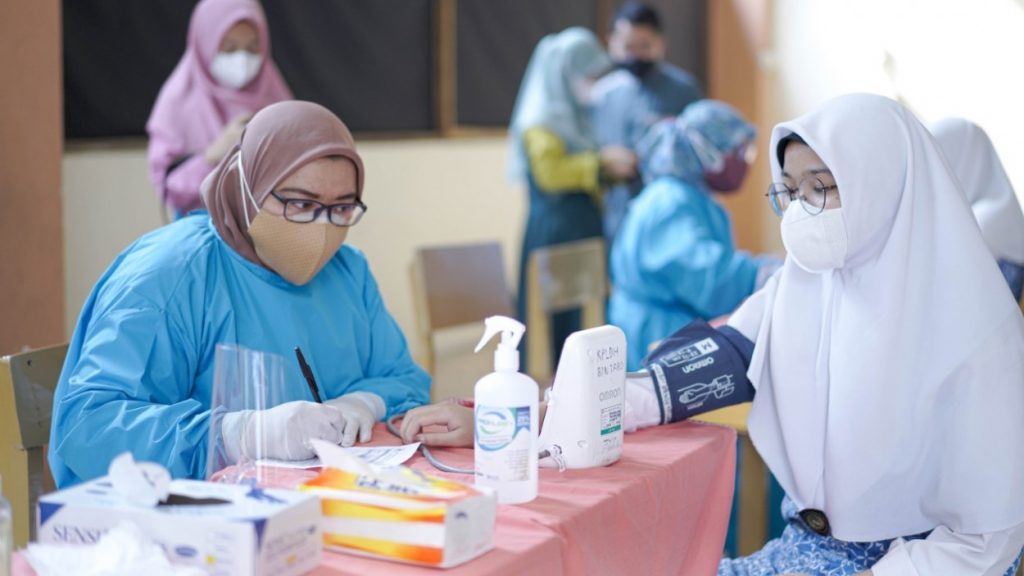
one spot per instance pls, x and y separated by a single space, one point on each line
698 369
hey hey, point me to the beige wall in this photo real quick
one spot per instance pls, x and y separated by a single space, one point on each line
738 32
778 59
419 192
31 127
940 57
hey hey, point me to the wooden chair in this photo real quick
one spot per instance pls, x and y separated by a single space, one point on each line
568 276
27 383
457 286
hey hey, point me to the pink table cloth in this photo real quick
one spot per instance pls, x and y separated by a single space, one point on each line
662 509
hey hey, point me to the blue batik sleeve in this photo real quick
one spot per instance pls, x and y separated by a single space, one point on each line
1014 274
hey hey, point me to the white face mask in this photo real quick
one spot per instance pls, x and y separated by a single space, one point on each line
235 69
816 243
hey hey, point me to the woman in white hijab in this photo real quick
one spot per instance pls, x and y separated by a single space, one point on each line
976 164
887 362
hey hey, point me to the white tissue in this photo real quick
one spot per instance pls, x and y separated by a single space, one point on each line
141 483
123 551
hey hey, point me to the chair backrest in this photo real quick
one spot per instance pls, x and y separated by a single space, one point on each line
568 276
455 286
27 383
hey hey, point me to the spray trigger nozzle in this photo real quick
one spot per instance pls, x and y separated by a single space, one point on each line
511 331
506 357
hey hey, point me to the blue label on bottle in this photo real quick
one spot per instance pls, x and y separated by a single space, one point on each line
496 428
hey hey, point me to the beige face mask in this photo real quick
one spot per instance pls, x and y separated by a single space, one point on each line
294 250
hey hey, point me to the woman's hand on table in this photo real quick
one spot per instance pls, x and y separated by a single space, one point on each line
456 418
454 414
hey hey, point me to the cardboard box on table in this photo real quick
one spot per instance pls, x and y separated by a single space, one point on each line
404 515
221 528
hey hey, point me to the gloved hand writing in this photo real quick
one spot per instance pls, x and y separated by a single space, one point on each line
358 416
282 432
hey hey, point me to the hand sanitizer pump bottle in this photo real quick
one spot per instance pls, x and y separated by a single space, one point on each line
505 420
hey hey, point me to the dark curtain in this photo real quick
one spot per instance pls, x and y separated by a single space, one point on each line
369 62
495 41
496 38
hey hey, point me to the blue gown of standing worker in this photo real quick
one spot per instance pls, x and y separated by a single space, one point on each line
139 371
674 260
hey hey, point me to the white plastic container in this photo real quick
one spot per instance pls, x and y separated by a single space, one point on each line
583 421
505 419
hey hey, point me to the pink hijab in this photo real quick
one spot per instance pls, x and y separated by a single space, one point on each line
279 140
192 108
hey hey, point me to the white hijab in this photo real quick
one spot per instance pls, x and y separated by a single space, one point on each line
890 391
977 166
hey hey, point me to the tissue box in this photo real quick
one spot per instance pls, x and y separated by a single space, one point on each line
404 515
221 528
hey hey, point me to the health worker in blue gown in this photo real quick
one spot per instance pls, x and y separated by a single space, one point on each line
266 269
674 258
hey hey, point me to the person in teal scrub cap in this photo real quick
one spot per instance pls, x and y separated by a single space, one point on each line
674 259
266 269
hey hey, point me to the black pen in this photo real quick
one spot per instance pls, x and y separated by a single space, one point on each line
308 373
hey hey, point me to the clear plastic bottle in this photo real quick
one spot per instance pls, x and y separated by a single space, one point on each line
505 421
6 534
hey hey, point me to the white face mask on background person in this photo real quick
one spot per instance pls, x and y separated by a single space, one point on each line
817 243
235 69
296 251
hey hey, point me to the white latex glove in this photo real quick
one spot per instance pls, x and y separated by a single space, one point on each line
282 432
360 410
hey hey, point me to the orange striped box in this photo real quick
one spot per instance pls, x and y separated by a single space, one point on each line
404 515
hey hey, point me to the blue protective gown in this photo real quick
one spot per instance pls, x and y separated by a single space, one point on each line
139 370
672 261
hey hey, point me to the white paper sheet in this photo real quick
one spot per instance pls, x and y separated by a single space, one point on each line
383 456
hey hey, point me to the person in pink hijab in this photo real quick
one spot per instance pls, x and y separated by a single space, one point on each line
225 76
268 269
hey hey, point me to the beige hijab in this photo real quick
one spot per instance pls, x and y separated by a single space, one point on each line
279 140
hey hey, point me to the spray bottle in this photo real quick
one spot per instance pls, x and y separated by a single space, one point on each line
505 419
